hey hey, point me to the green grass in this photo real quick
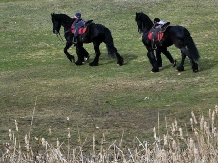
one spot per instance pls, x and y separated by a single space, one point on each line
106 99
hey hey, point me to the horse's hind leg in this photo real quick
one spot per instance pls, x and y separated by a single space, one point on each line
69 56
192 62
119 59
97 54
181 66
185 53
194 65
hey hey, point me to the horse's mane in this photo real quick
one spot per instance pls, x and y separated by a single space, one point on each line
64 18
145 19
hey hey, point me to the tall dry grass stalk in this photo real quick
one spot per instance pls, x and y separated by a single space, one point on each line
177 145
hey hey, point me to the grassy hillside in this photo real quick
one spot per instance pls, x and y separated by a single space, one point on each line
37 81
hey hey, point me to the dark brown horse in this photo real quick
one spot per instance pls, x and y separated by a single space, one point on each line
96 34
177 35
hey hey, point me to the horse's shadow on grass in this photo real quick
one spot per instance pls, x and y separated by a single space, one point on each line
105 60
207 64
203 64
129 58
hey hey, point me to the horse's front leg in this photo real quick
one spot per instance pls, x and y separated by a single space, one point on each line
181 66
97 54
82 54
69 56
153 61
85 54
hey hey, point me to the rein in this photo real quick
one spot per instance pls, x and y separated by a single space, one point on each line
60 38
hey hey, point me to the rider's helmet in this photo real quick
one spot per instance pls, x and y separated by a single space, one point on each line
78 15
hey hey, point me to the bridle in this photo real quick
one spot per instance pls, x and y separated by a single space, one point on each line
58 35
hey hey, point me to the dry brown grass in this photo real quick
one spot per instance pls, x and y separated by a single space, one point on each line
196 143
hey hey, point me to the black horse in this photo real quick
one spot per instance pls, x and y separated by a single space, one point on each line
96 33
177 35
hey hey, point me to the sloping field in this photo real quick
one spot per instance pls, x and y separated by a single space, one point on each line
43 91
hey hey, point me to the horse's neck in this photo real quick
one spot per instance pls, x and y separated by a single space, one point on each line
147 23
146 27
66 29
66 21
66 25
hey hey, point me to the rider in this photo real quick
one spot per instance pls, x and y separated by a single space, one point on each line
161 49
77 24
158 23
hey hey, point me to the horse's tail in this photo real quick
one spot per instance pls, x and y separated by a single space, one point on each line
112 51
193 51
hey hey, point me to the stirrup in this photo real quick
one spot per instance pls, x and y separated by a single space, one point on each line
153 45
74 40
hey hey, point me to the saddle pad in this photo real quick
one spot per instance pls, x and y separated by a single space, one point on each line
80 30
155 36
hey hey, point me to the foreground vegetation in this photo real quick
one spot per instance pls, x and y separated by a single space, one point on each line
177 145
108 103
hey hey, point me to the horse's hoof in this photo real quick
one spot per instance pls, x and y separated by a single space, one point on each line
195 68
86 58
78 63
73 60
155 70
93 64
120 63
180 68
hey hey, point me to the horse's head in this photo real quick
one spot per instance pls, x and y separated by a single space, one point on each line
138 19
143 22
56 23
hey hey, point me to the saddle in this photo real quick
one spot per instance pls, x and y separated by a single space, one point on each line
80 27
156 34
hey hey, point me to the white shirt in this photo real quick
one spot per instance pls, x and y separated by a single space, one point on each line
162 22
